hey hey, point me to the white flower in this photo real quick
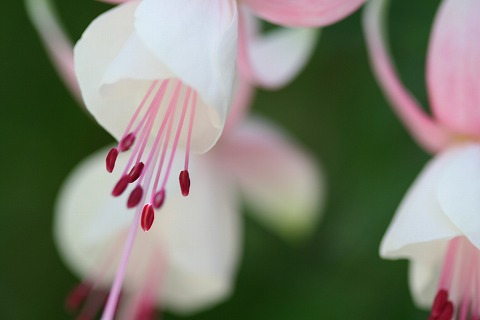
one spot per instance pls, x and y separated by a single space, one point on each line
188 258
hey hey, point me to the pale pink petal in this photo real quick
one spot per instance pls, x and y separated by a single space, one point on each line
242 100
453 70
303 13
59 47
280 181
430 135
273 59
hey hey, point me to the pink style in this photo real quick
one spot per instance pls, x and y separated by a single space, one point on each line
437 222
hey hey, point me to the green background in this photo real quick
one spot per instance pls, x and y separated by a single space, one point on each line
334 108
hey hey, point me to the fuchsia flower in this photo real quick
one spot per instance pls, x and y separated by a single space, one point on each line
147 66
187 260
189 85
437 226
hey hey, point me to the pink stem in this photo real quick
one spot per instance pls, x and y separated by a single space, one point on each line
449 263
190 130
162 157
112 301
58 45
177 137
151 113
428 133
140 107
169 114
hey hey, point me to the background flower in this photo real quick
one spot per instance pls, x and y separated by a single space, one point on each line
338 111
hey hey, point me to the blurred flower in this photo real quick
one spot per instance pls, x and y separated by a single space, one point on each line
438 219
187 260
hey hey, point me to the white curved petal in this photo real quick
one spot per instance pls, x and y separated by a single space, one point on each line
459 190
276 57
192 246
426 262
197 41
115 68
439 206
280 181
420 217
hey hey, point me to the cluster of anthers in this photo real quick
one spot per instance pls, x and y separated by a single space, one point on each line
145 132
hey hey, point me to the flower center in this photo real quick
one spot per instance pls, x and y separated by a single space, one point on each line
148 128
459 287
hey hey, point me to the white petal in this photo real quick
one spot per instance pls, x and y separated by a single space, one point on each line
459 190
420 217
424 271
115 68
438 207
194 238
279 180
276 57
197 41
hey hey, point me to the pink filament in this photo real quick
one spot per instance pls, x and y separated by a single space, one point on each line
177 137
190 129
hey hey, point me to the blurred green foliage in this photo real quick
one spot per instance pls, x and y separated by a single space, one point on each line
334 108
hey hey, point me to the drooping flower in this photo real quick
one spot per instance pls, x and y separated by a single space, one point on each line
437 226
140 67
114 76
187 261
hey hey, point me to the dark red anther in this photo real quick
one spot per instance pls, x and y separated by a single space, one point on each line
77 296
135 197
158 199
136 172
127 142
145 311
121 185
184 182
111 159
447 312
439 303
148 215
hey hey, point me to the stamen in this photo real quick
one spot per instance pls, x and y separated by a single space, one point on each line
184 182
439 303
148 215
158 199
136 171
447 312
127 142
135 197
190 130
77 296
121 185
177 138
111 159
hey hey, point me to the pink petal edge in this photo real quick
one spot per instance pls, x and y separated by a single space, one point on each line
303 13
453 66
